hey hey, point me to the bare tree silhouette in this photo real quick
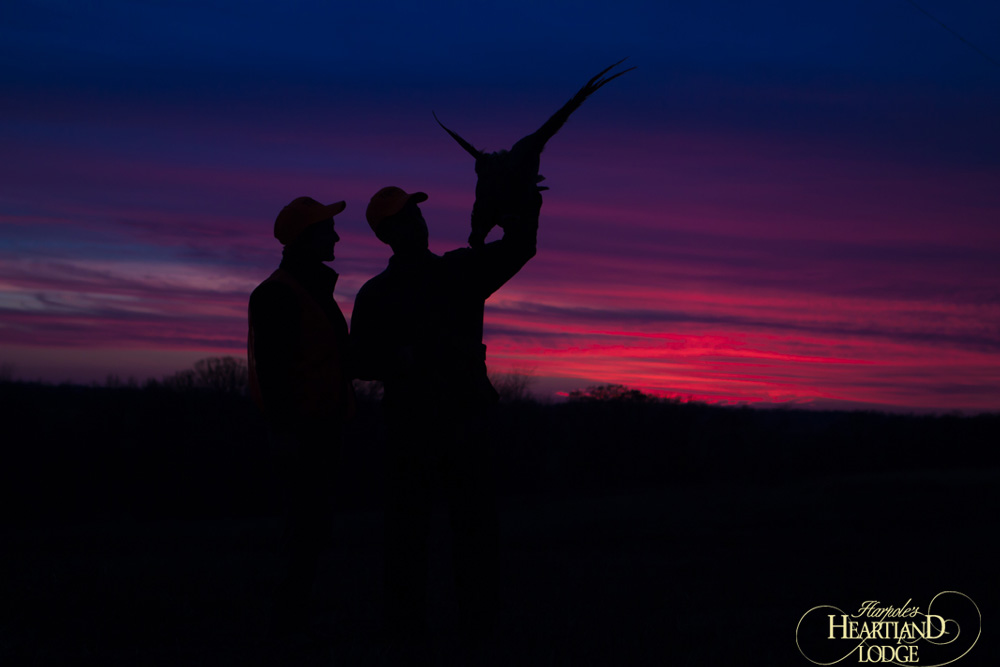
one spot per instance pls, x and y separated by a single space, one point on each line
514 386
225 375
613 392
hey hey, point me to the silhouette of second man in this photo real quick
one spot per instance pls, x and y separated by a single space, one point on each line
418 327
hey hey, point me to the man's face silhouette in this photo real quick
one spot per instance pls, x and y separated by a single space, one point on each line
319 239
408 230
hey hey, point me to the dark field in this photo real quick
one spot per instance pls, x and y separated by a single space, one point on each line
140 529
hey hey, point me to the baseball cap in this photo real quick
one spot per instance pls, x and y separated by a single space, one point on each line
299 214
388 202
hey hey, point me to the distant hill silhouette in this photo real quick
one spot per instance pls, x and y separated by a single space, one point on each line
194 445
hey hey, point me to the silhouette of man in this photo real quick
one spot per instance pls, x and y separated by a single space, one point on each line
298 350
418 327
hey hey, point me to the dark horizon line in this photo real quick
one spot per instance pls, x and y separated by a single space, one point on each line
829 406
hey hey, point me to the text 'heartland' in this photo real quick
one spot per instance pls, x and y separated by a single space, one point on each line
889 623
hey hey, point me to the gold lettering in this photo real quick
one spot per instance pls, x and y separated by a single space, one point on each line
842 626
866 606
928 626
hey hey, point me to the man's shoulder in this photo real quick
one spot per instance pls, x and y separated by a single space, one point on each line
458 254
376 283
278 280
272 291
462 260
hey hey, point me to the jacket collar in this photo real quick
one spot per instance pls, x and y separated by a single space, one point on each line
404 262
312 274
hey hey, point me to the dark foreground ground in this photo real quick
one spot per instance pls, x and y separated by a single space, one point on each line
694 569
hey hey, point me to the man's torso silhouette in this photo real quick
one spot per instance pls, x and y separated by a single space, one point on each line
418 327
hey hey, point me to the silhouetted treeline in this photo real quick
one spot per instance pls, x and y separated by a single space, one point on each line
189 450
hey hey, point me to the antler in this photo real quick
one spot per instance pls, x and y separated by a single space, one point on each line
559 118
556 121
461 142
504 176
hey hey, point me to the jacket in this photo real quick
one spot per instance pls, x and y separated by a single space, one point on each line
297 346
418 325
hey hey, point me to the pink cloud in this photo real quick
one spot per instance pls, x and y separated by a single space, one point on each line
732 267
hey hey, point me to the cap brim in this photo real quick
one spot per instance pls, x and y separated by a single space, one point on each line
326 212
418 197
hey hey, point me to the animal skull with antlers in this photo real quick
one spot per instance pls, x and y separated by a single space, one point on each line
508 180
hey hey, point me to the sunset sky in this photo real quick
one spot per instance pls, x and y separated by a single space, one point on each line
785 203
